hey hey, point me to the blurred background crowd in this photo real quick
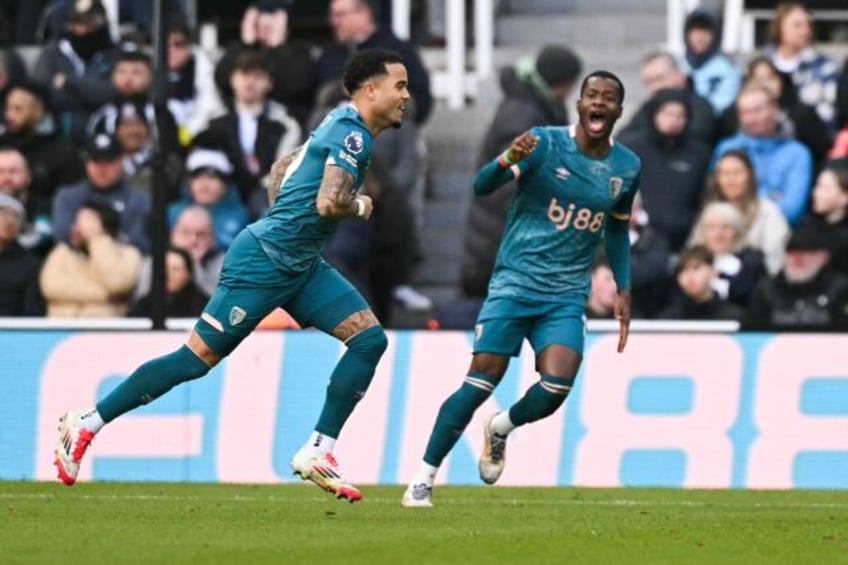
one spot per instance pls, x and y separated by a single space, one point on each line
743 212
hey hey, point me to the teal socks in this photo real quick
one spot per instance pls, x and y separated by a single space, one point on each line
151 380
541 400
350 379
456 413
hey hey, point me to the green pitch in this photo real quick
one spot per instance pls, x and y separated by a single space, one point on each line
180 523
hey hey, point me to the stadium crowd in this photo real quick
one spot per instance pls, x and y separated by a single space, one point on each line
743 212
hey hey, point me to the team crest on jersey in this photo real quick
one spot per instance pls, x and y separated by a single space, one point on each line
237 315
478 332
615 185
354 142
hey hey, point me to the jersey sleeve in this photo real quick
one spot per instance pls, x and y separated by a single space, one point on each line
349 146
621 210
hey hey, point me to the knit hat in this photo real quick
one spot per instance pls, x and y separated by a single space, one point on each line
807 237
209 161
558 65
7 201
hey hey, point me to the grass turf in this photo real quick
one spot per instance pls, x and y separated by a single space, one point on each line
297 523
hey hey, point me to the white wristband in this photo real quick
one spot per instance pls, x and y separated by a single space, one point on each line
360 207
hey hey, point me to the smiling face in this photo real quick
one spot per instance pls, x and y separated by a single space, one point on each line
599 107
389 95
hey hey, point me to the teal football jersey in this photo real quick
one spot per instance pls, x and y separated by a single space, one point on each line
291 232
555 222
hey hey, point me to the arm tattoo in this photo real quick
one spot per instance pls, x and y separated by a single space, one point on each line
335 196
277 172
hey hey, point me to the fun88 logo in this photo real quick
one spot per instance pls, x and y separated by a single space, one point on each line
582 219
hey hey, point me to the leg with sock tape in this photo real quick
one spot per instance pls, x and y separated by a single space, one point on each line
541 400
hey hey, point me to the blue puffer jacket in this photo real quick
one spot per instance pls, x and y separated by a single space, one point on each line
784 169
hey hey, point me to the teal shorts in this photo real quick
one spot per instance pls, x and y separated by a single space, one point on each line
504 322
251 287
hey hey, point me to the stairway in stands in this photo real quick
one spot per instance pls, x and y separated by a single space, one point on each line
610 34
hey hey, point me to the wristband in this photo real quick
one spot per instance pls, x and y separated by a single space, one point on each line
360 207
504 160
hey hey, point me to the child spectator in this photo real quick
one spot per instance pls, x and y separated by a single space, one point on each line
699 301
714 75
830 212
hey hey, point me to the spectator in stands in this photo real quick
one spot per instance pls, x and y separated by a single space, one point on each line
603 294
674 165
814 75
807 294
18 21
355 28
830 212
19 268
36 231
738 266
12 71
650 262
93 274
193 231
75 68
210 186
661 71
798 120
764 226
714 75
698 300
294 74
133 131
258 130
134 16
29 127
104 182
783 165
132 79
534 91
192 96
184 299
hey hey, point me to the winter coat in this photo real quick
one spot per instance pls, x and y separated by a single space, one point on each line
784 169
87 85
818 305
713 74
276 133
19 292
96 283
703 124
650 259
522 108
187 302
674 169
816 79
837 240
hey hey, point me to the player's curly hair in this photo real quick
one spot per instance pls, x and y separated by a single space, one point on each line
367 64
607 75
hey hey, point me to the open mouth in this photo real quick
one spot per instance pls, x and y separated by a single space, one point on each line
597 122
